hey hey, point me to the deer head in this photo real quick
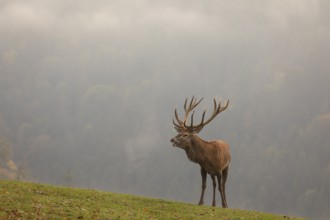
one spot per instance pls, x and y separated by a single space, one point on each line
185 132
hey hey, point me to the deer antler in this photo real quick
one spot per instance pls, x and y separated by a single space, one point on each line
181 125
216 110
188 109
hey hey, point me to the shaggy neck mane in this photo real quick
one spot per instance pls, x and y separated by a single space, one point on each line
196 152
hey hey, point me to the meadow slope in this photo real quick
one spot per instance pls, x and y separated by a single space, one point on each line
22 200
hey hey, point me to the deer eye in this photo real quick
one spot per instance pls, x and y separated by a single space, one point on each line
185 135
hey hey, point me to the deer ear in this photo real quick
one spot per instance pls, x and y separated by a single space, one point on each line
193 140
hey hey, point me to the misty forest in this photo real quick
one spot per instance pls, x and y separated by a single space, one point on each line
88 91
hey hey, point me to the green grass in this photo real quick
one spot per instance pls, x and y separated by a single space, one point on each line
22 200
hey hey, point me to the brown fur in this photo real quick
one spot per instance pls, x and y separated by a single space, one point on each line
212 156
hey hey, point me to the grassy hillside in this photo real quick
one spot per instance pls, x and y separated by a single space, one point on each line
21 200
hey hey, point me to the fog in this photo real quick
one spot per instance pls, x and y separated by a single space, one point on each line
88 91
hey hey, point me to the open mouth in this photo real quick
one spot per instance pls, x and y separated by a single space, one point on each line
174 143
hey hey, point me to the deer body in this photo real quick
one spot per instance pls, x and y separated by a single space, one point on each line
212 156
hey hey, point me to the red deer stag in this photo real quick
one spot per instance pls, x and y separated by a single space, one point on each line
212 156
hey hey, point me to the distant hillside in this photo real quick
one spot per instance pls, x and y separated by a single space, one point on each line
22 200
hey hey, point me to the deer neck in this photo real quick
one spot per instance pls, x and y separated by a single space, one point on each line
197 151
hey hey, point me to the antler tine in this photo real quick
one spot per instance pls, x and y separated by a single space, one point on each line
192 119
175 124
177 117
185 104
216 111
215 105
180 125
186 110
223 108
191 106
199 127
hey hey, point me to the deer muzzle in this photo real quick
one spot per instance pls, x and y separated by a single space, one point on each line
173 141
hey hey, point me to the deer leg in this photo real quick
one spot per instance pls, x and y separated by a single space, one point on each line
224 179
204 175
214 186
221 190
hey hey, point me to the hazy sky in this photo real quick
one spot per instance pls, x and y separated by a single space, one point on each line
195 16
184 30
219 21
